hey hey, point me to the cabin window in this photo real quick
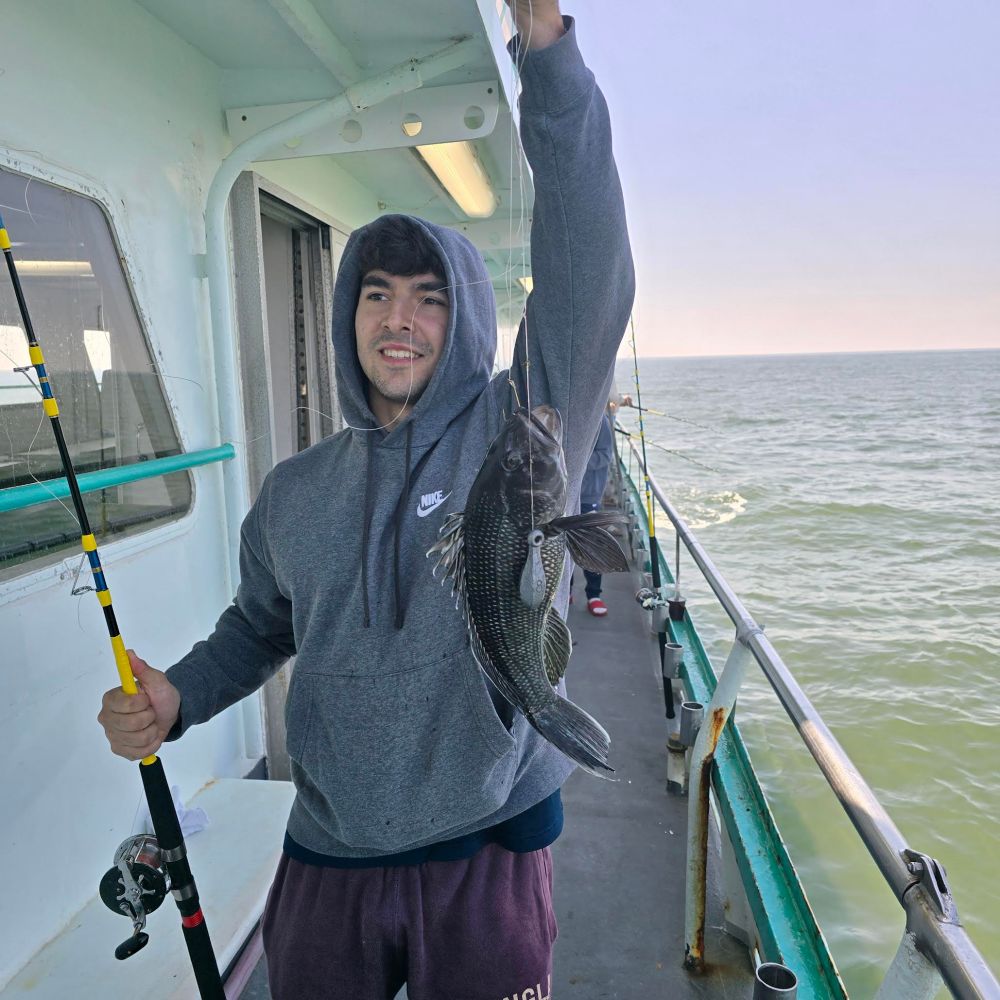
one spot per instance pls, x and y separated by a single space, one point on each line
111 402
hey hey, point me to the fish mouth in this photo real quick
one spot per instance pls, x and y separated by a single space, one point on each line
531 418
541 427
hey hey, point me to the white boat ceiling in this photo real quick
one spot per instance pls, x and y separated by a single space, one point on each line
277 52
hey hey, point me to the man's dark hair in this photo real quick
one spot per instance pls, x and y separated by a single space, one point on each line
399 246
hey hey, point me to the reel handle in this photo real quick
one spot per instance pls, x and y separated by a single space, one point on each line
135 943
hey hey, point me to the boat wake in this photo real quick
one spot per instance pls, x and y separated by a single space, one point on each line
704 509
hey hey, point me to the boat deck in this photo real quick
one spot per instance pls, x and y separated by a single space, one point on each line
620 863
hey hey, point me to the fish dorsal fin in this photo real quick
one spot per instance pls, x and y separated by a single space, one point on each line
450 552
557 644
589 541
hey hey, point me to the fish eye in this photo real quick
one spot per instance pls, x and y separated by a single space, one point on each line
511 461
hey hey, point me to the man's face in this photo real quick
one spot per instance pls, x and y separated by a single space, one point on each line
400 326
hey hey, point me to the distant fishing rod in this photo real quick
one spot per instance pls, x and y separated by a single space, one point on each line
135 886
661 413
654 549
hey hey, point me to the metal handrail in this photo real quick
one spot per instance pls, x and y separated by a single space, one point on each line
19 497
917 881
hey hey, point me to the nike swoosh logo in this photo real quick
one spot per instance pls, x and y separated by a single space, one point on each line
424 511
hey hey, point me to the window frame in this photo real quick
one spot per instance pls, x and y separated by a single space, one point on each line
52 568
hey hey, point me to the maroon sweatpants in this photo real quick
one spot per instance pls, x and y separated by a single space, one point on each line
477 929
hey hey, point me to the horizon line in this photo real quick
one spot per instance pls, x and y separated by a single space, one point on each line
803 354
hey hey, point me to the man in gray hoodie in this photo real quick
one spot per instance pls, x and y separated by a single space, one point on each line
417 846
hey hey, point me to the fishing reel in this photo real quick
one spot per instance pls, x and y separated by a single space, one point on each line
135 887
649 599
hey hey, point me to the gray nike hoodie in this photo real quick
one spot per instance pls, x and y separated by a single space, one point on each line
394 735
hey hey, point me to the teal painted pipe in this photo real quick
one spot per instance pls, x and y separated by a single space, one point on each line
19 497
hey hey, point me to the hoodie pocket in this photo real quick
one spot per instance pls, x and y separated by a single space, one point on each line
386 761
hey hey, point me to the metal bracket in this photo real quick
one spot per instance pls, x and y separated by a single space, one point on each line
746 630
931 876
421 117
75 589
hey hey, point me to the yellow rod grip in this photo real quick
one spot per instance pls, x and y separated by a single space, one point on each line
51 407
124 667
36 356
89 543
151 759
4 240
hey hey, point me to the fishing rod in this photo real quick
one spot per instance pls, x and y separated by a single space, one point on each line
669 416
654 548
136 885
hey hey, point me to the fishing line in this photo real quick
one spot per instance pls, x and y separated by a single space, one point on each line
654 548
516 66
34 437
679 454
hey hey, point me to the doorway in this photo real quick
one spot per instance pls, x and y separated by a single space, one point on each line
285 258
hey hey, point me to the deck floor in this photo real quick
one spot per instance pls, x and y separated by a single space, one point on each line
620 863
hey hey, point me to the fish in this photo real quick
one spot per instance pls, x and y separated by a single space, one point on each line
504 554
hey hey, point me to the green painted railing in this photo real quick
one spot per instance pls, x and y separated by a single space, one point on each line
785 922
19 497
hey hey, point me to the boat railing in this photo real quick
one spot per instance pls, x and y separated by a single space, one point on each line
934 945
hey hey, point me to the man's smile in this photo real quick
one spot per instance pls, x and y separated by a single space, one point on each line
396 355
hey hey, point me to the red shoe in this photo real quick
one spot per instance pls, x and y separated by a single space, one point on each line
597 607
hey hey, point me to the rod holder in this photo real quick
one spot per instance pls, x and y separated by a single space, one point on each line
673 652
657 624
677 770
773 981
692 716
676 609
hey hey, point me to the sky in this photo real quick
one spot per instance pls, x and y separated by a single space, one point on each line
804 176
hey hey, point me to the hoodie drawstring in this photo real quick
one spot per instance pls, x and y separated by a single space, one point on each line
404 499
366 526
397 521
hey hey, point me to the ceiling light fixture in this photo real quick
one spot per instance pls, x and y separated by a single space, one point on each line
463 176
55 268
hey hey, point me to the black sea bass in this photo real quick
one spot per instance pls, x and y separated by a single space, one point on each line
505 554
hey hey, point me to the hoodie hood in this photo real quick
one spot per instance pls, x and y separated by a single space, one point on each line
466 363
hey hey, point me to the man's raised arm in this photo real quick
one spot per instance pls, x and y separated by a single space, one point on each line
584 280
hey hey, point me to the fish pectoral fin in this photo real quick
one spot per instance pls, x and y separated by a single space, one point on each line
449 550
590 541
557 644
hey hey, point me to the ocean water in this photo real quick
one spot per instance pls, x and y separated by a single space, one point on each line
851 501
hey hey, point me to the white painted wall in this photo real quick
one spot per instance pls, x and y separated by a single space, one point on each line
104 99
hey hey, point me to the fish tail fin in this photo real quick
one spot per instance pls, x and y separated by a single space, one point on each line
571 730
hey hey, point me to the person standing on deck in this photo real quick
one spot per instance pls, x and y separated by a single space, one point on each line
417 847
595 479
